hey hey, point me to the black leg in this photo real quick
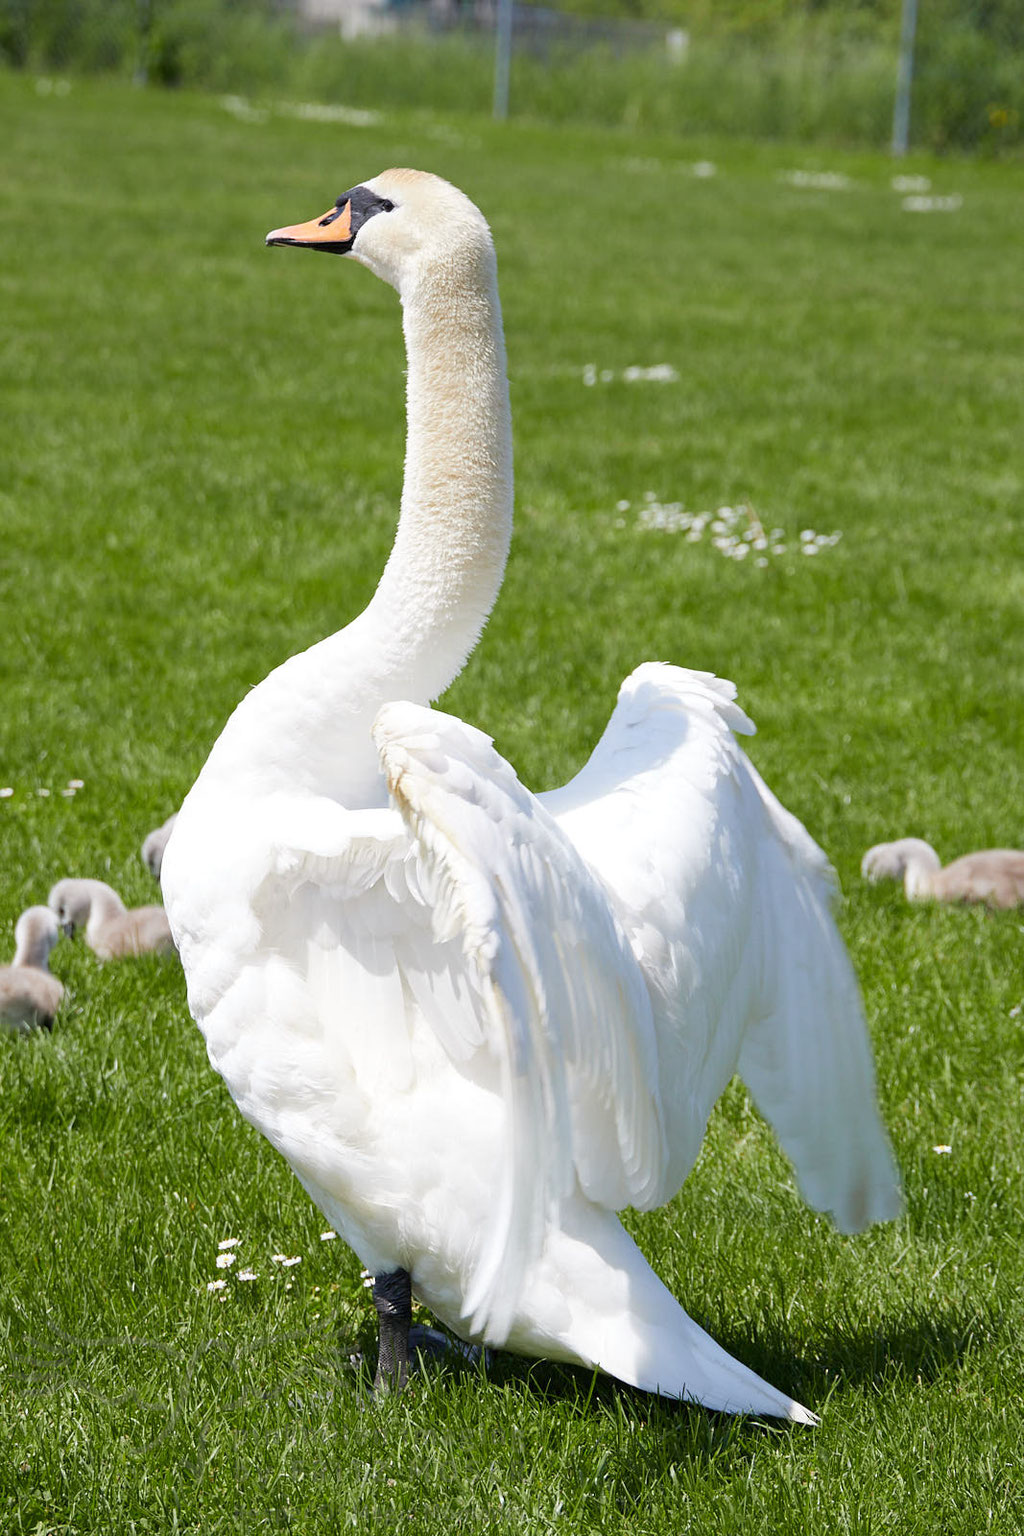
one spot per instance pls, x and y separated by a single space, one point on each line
392 1296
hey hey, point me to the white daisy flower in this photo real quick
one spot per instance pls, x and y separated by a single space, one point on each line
225 1260
817 181
932 204
215 1285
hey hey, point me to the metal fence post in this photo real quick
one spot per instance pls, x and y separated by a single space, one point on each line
904 80
143 21
502 58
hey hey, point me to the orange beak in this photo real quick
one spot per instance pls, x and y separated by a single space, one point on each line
331 233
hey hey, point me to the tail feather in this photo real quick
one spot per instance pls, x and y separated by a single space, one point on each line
595 1301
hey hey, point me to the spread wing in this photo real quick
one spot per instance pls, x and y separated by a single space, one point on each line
726 901
466 904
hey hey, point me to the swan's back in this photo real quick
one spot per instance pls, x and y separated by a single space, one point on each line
995 876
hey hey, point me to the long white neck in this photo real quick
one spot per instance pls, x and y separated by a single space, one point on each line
922 865
33 942
308 724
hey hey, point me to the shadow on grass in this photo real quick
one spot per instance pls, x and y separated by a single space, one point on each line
304 1377
915 1344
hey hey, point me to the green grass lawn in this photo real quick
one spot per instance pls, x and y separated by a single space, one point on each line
200 462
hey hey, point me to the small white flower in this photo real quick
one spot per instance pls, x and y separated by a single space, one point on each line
228 1242
320 112
589 375
76 783
704 169
225 1260
284 1261
943 1151
1015 1013
215 1285
911 184
6 793
818 181
328 1237
660 373
247 1274
932 204
606 375
44 793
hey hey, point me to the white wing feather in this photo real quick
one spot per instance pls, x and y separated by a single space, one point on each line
562 1000
726 901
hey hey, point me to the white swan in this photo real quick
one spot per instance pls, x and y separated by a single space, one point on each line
29 994
994 876
112 930
477 1022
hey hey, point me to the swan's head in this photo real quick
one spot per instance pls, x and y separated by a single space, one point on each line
36 932
70 902
401 225
154 845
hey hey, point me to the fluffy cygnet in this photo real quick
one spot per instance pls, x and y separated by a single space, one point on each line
995 875
112 930
29 995
154 844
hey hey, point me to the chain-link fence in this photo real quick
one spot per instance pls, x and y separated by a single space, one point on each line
820 72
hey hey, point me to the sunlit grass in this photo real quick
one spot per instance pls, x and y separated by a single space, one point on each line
199 469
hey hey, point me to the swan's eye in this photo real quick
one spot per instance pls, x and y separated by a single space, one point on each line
386 205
